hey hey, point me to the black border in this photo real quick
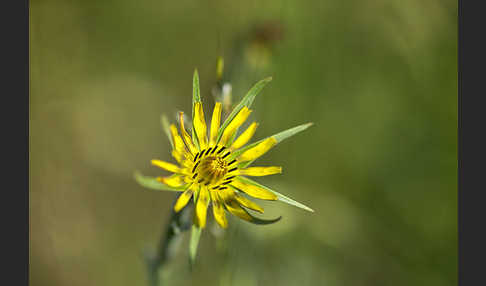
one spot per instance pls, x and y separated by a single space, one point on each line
471 143
15 120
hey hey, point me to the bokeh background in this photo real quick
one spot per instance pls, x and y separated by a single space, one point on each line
378 79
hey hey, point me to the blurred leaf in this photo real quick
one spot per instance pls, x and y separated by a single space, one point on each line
281 197
166 127
152 183
246 101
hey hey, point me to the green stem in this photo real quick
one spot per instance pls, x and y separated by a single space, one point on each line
177 223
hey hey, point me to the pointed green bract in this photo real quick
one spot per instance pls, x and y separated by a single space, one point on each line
152 183
279 137
196 96
246 101
280 197
193 243
166 127
291 132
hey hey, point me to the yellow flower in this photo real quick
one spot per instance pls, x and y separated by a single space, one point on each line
213 164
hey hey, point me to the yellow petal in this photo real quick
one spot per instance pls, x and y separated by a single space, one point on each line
218 210
254 191
259 171
179 152
166 166
234 208
183 200
200 126
172 181
258 150
239 119
249 204
178 143
245 136
215 121
202 207
185 135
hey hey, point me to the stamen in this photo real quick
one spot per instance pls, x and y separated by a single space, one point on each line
200 181
195 175
229 178
225 183
230 163
223 188
231 170
214 149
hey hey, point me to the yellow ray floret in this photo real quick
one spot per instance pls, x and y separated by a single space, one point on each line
215 122
248 204
254 191
239 119
167 166
218 210
245 136
259 171
258 150
185 135
234 208
200 126
202 207
172 181
183 199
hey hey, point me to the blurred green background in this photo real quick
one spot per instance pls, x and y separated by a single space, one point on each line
378 79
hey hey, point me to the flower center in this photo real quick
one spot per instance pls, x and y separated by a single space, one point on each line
211 167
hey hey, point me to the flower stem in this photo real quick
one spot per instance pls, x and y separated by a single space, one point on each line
178 222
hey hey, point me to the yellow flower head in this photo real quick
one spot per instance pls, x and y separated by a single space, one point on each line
213 164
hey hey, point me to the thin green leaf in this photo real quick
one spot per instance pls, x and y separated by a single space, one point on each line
193 243
246 101
166 127
279 137
152 183
280 197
